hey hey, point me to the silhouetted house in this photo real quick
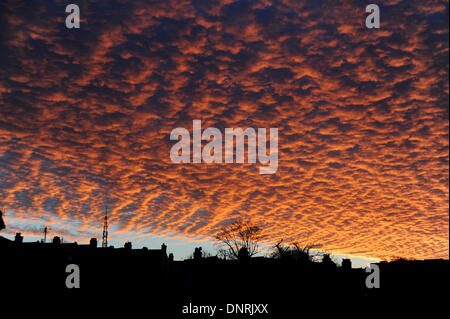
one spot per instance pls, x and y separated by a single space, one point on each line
346 264
410 277
37 264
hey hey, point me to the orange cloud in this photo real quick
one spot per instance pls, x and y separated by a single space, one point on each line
362 115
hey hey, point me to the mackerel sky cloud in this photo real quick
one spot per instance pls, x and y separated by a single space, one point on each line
362 118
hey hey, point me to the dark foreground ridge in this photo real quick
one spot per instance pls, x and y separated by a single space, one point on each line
152 278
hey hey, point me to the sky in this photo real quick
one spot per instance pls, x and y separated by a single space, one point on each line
362 117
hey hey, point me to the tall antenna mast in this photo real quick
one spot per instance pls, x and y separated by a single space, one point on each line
45 233
105 230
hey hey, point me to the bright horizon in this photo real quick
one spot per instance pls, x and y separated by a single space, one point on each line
181 247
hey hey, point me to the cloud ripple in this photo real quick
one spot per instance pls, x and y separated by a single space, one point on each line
85 117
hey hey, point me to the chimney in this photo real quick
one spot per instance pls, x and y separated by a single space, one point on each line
56 240
128 245
164 248
18 239
93 243
326 259
346 264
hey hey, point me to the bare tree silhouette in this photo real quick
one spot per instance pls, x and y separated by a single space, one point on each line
294 251
239 239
